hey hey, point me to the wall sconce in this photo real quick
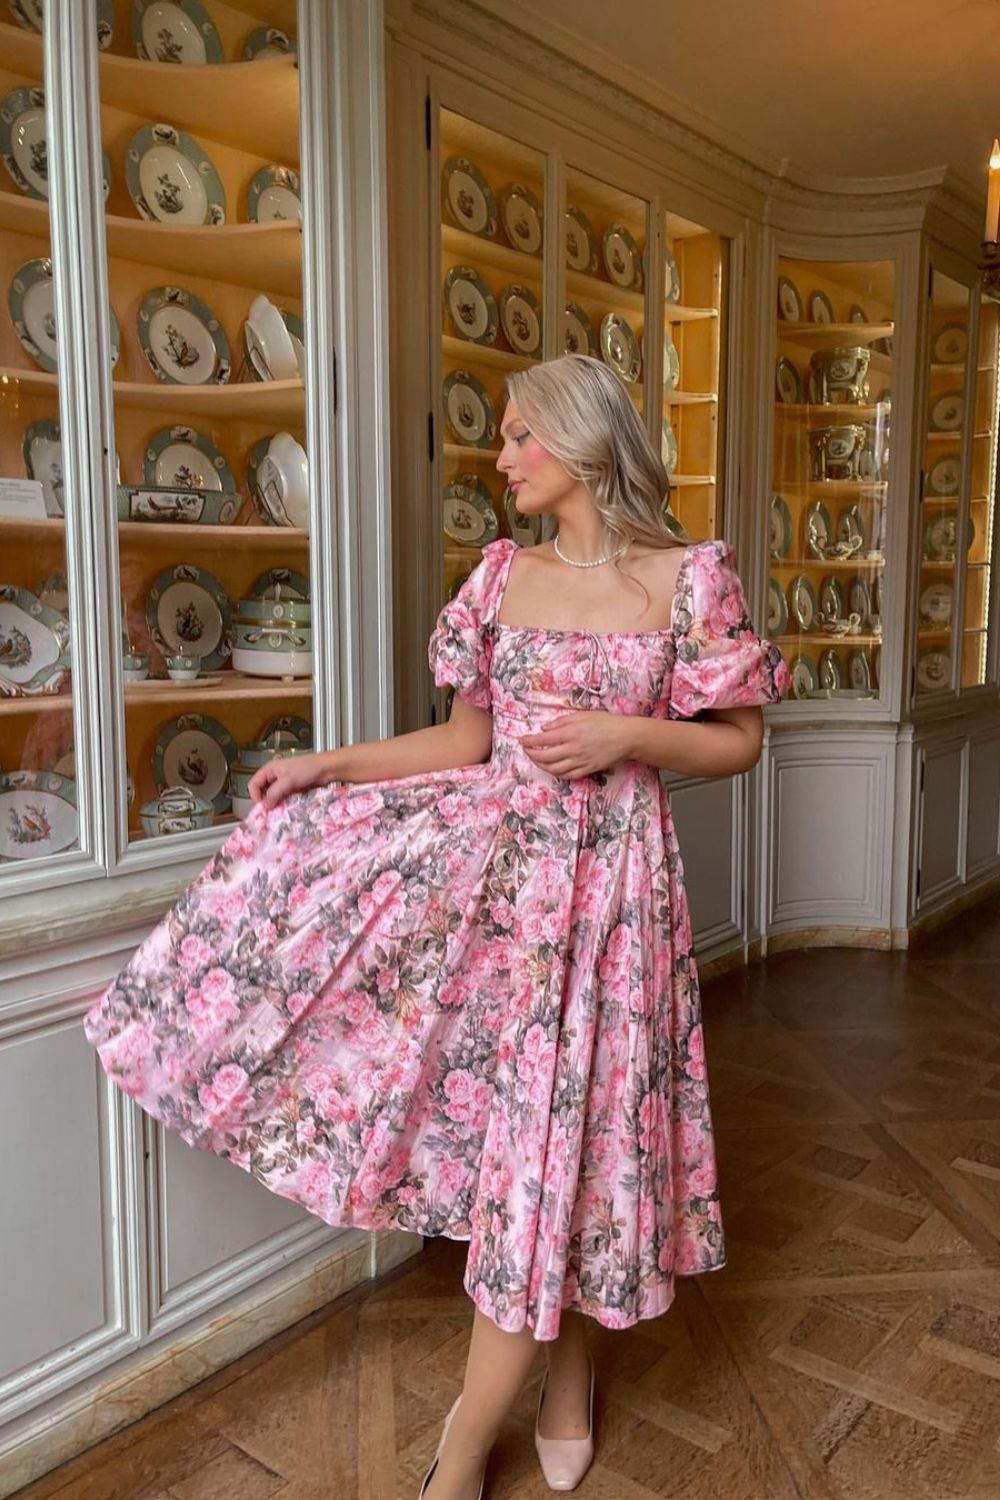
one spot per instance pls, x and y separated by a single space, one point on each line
990 264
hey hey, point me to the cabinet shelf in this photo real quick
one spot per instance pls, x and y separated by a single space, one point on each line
467 451
831 564
835 488
593 289
688 398
146 532
842 410
235 685
471 353
275 400
480 251
676 312
833 335
830 640
684 479
251 105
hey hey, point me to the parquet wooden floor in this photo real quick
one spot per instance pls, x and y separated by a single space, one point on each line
850 1349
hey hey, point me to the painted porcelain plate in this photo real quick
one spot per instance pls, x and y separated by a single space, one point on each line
470 305
187 609
671 277
182 339
622 257
171 180
289 731
521 218
269 342
803 600
788 383
789 301
620 347
24 143
31 302
30 14
944 476
469 517
34 644
804 678
578 332
859 673
947 411
521 319
466 197
820 308
668 447
780 541
935 604
831 672
283 583
274 193
582 251
186 459
268 42
175 31
951 344
42 449
934 670
777 608
857 314
196 751
671 364
941 536
37 814
469 410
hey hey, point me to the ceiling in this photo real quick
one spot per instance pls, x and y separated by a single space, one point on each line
857 88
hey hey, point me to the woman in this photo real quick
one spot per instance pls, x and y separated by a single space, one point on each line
444 982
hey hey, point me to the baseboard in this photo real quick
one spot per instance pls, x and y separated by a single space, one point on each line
81 1418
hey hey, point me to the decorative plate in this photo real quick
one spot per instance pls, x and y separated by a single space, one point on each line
254 459
671 364
30 14
182 339
819 529
42 449
274 193
188 607
34 645
468 409
288 731
831 598
174 31
934 670
37 814
267 42
31 301
269 342
521 319
469 517
951 344
466 197
857 315
196 751
851 527
803 601
789 301
671 277
935 604
471 305
804 679
521 218
940 537
186 459
578 332
622 257
944 476
788 383
668 448
947 411
820 308
283 481
859 670
620 347
831 673
780 542
282 583
777 608
53 592
24 143
171 180
582 253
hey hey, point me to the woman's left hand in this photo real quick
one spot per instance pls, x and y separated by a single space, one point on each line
580 743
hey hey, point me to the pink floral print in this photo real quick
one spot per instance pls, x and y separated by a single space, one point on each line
465 1002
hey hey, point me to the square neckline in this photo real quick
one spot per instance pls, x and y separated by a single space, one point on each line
580 630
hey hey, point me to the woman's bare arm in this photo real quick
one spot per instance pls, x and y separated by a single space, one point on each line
727 742
463 740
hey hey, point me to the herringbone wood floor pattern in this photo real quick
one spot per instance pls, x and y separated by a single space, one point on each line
850 1349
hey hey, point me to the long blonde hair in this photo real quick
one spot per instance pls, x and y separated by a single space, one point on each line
579 410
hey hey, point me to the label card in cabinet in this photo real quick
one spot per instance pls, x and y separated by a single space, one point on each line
21 499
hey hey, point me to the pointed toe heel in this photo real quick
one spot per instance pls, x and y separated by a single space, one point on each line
434 1462
564 1461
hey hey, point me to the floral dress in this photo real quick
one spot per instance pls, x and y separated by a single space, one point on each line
464 1002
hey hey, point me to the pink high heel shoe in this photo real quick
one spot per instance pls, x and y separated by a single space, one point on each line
564 1461
430 1472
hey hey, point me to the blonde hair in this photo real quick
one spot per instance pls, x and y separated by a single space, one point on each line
579 410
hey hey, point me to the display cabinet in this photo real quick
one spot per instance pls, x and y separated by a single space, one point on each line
979 666
498 281
833 402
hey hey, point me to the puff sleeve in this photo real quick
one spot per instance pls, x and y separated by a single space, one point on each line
721 662
459 647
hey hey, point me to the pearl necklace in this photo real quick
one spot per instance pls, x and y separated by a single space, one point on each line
597 561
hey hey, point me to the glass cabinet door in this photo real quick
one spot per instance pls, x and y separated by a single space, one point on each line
694 289
982 500
944 486
492 322
38 812
204 249
833 386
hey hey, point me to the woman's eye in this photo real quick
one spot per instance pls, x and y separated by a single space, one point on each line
520 438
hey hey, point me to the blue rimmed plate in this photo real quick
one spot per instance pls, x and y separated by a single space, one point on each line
30 14
521 218
175 31
37 814
197 752
279 582
582 250
468 409
622 257
578 332
42 449
671 364
466 197
268 42
777 608
620 347
187 609
668 447
470 305
521 319
182 339
171 180
468 514
31 302
184 458
24 143
671 277
36 657
274 194
780 541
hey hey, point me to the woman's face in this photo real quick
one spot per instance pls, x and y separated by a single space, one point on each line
535 475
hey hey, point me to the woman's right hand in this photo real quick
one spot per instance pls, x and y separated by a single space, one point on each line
288 773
